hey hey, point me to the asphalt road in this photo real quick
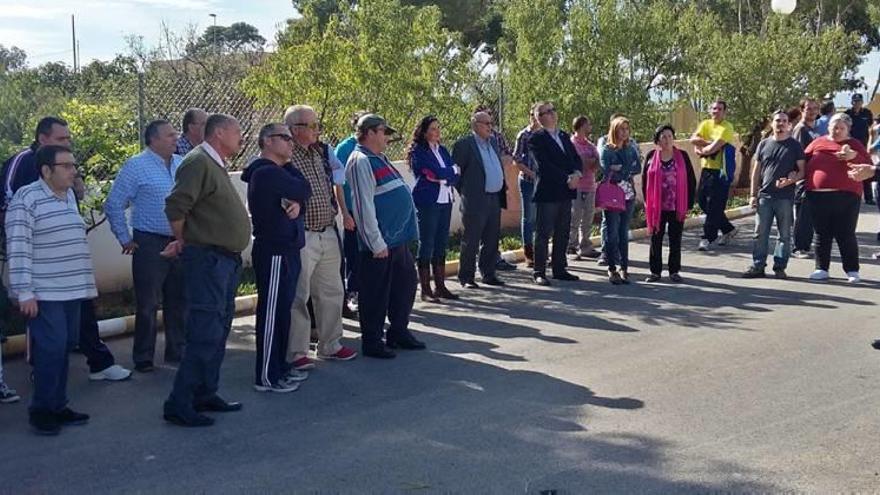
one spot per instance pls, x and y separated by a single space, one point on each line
718 385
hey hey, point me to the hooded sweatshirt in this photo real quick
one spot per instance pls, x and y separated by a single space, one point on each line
268 183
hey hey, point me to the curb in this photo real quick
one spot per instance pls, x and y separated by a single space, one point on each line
244 305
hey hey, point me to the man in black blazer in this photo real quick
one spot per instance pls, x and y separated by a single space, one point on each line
558 170
483 195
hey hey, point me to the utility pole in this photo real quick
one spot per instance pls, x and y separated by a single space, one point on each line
73 41
216 48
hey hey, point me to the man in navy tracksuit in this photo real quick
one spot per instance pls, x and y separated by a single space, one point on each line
277 193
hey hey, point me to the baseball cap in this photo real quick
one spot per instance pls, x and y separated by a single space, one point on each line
858 97
371 121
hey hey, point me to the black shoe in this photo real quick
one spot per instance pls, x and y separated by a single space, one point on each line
493 281
380 352
408 342
217 404
145 366
614 278
565 276
780 273
69 417
653 278
571 250
44 423
592 254
876 344
541 279
194 421
870 202
753 272
504 266
675 277
469 284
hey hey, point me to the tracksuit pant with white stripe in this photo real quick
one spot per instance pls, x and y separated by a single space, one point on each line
277 275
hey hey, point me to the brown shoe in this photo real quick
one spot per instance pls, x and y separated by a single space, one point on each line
529 252
425 282
439 266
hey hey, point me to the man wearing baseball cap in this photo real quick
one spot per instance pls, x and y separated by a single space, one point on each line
386 218
861 125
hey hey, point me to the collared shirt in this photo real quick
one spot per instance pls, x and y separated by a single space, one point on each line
522 154
213 154
445 194
554 133
143 183
47 250
184 146
491 165
320 211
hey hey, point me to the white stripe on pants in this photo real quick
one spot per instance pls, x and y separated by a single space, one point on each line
269 324
319 279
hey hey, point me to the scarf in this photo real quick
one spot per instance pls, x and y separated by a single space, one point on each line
654 190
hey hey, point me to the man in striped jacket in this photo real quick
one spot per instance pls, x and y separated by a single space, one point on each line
50 274
386 218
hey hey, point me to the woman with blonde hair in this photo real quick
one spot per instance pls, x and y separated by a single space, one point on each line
620 162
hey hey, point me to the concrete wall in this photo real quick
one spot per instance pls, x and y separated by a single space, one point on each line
113 269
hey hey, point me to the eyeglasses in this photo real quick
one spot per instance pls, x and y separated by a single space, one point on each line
490 124
68 165
549 110
313 126
284 137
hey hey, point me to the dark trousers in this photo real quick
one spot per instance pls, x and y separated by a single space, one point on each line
552 219
277 275
157 279
52 335
211 279
835 216
868 190
481 231
352 255
803 222
98 355
668 220
388 288
433 231
713 200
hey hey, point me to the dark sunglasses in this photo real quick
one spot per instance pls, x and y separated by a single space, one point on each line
549 110
284 137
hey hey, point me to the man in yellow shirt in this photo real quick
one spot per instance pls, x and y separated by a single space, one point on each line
709 141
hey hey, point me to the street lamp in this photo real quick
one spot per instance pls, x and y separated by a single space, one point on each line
216 50
784 7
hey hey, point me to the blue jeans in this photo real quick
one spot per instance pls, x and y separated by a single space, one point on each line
616 243
210 281
783 211
433 231
527 222
53 333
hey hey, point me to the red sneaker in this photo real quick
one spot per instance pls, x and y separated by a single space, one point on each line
303 363
343 354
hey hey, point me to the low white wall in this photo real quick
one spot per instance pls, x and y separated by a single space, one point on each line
113 269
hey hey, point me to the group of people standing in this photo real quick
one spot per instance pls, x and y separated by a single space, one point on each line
189 227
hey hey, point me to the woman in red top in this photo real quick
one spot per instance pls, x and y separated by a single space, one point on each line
834 196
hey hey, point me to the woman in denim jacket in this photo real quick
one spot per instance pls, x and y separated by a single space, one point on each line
620 162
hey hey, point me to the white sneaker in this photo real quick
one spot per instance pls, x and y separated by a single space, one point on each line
281 387
113 373
294 376
8 395
853 277
819 275
704 245
726 238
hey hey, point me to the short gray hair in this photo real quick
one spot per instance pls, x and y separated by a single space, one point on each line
218 121
294 114
477 115
842 117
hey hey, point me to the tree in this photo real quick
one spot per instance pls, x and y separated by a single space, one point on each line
379 56
219 40
12 59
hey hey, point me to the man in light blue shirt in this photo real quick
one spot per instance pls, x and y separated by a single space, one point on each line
143 183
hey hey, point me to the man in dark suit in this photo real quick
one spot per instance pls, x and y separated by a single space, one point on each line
558 171
483 195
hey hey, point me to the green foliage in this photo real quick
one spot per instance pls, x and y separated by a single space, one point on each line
105 135
237 37
381 56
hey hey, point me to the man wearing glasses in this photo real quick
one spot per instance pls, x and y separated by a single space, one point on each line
143 183
483 195
321 256
50 274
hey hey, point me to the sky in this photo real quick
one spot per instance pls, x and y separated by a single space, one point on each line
42 27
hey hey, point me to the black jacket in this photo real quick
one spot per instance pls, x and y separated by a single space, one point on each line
267 184
689 168
553 166
472 184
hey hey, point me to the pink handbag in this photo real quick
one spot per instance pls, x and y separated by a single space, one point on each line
610 197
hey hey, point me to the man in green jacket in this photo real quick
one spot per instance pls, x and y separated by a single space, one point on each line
211 228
